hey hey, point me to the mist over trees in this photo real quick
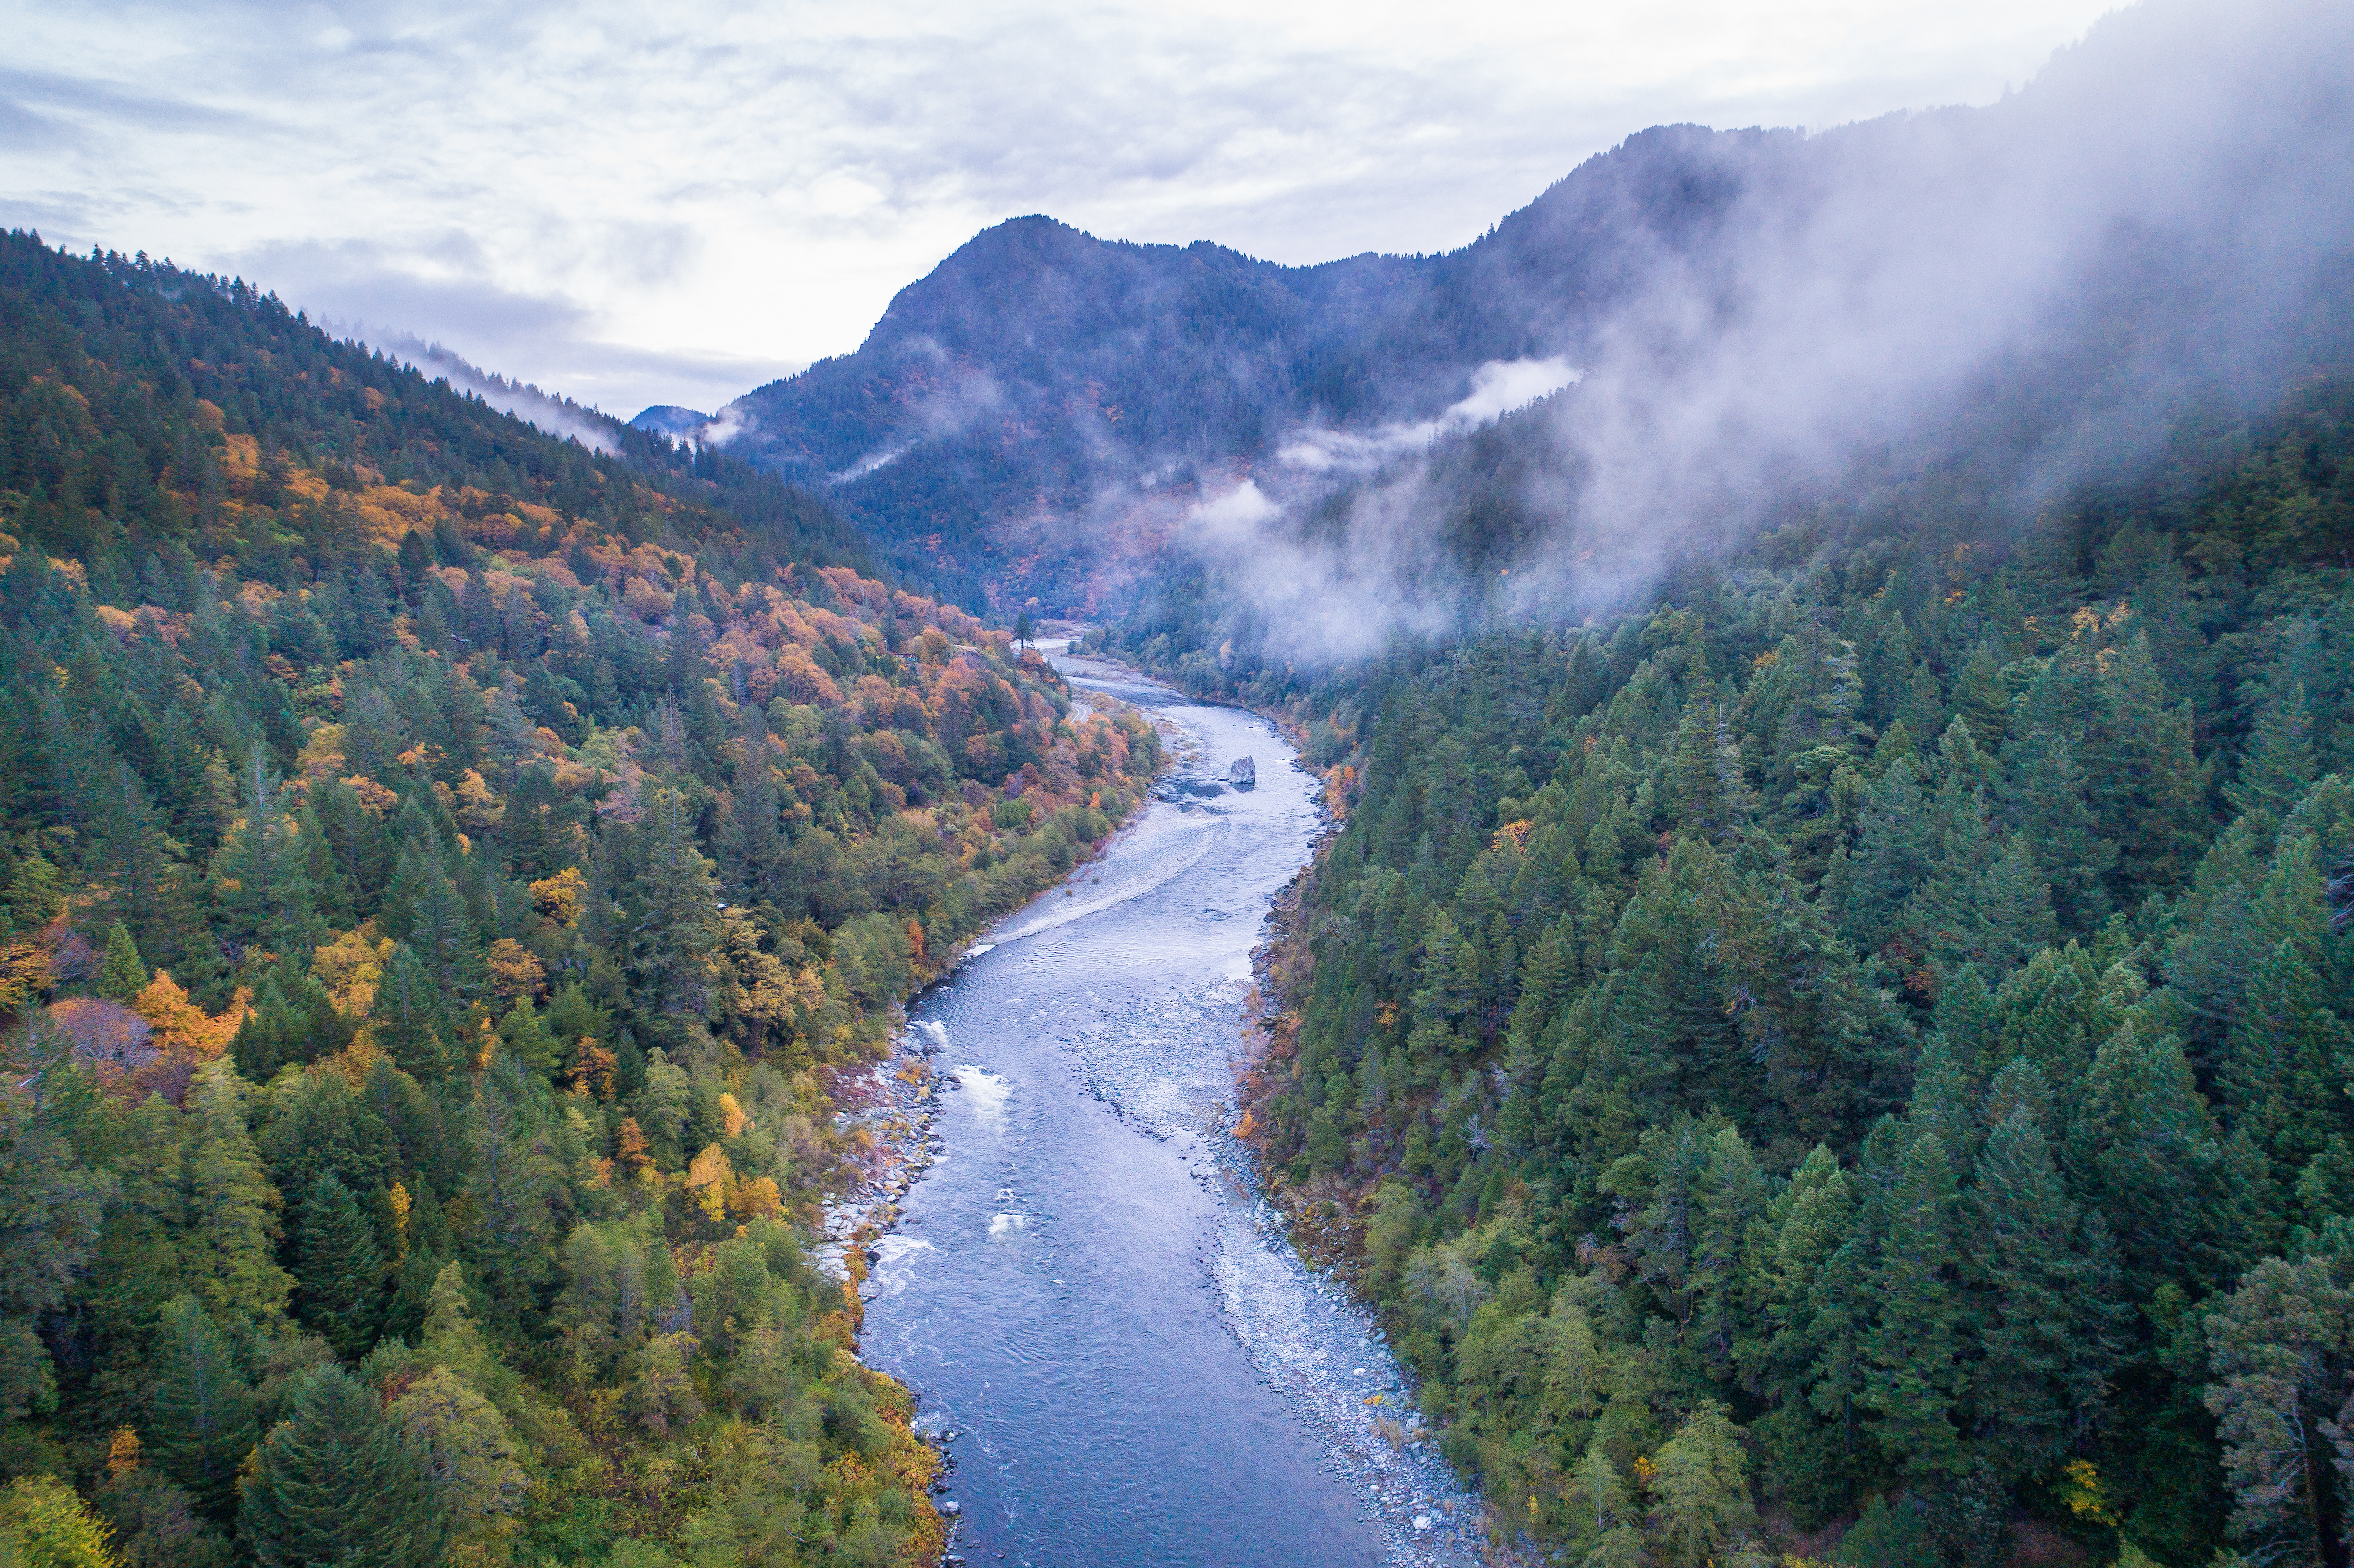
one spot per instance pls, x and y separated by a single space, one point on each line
1877 1016
1825 1028
1826 1033
1761 322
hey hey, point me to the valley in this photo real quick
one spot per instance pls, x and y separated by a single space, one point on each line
1683 897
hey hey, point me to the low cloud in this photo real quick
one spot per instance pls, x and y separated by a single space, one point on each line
2159 224
559 417
1497 388
1234 516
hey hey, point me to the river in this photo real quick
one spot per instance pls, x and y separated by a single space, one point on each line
1083 1290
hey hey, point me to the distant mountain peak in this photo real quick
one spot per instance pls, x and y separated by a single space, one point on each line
670 419
1046 407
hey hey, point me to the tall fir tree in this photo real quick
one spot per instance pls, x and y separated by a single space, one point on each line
2278 766
260 875
232 1207
2285 1063
441 930
120 976
202 1423
2044 802
411 1019
669 917
340 1277
293 1021
1914 1350
337 1481
2041 1374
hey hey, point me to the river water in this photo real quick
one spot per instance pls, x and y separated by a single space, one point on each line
1084 1289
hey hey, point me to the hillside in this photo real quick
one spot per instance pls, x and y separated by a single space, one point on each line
446 871
2041 285
1036 365
1825 1034
1850 1056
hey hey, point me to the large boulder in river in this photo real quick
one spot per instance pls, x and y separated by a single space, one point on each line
1242 774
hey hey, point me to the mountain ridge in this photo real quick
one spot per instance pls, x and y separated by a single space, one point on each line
1053 409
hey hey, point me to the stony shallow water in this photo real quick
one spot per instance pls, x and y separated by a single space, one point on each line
1084 1289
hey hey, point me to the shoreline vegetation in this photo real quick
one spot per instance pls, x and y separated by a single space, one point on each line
453 879
888 1113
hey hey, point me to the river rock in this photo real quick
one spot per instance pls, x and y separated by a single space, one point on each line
1242 774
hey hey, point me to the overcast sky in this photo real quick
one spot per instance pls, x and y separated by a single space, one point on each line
634 205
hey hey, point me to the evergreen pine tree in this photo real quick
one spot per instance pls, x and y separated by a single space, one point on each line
410 1017
293 1021
332 893
1968 1021
2325 1190
261 882
1807 1358
1894 853
520 1032
2284 1064
670 924
1913 1348
122 977
203 1419
2278 767
1984 701
340 1276
1733 1193
2140 1147
232 1207
2052 1015
2045 803
1708 791
751 842
32 900
1702 1484
1605 1510
415 846
2146 780
136 859
2040 1376
449 1336
442 932
337 1482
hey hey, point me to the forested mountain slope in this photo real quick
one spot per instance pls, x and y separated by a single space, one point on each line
445 873
1853 1059
2042 284
1039 364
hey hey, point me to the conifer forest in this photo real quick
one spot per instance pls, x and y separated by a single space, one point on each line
446 874
1665 882
1864 1042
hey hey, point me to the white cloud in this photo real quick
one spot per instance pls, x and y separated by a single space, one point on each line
631 207
1501 385
1497 388
1234 514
